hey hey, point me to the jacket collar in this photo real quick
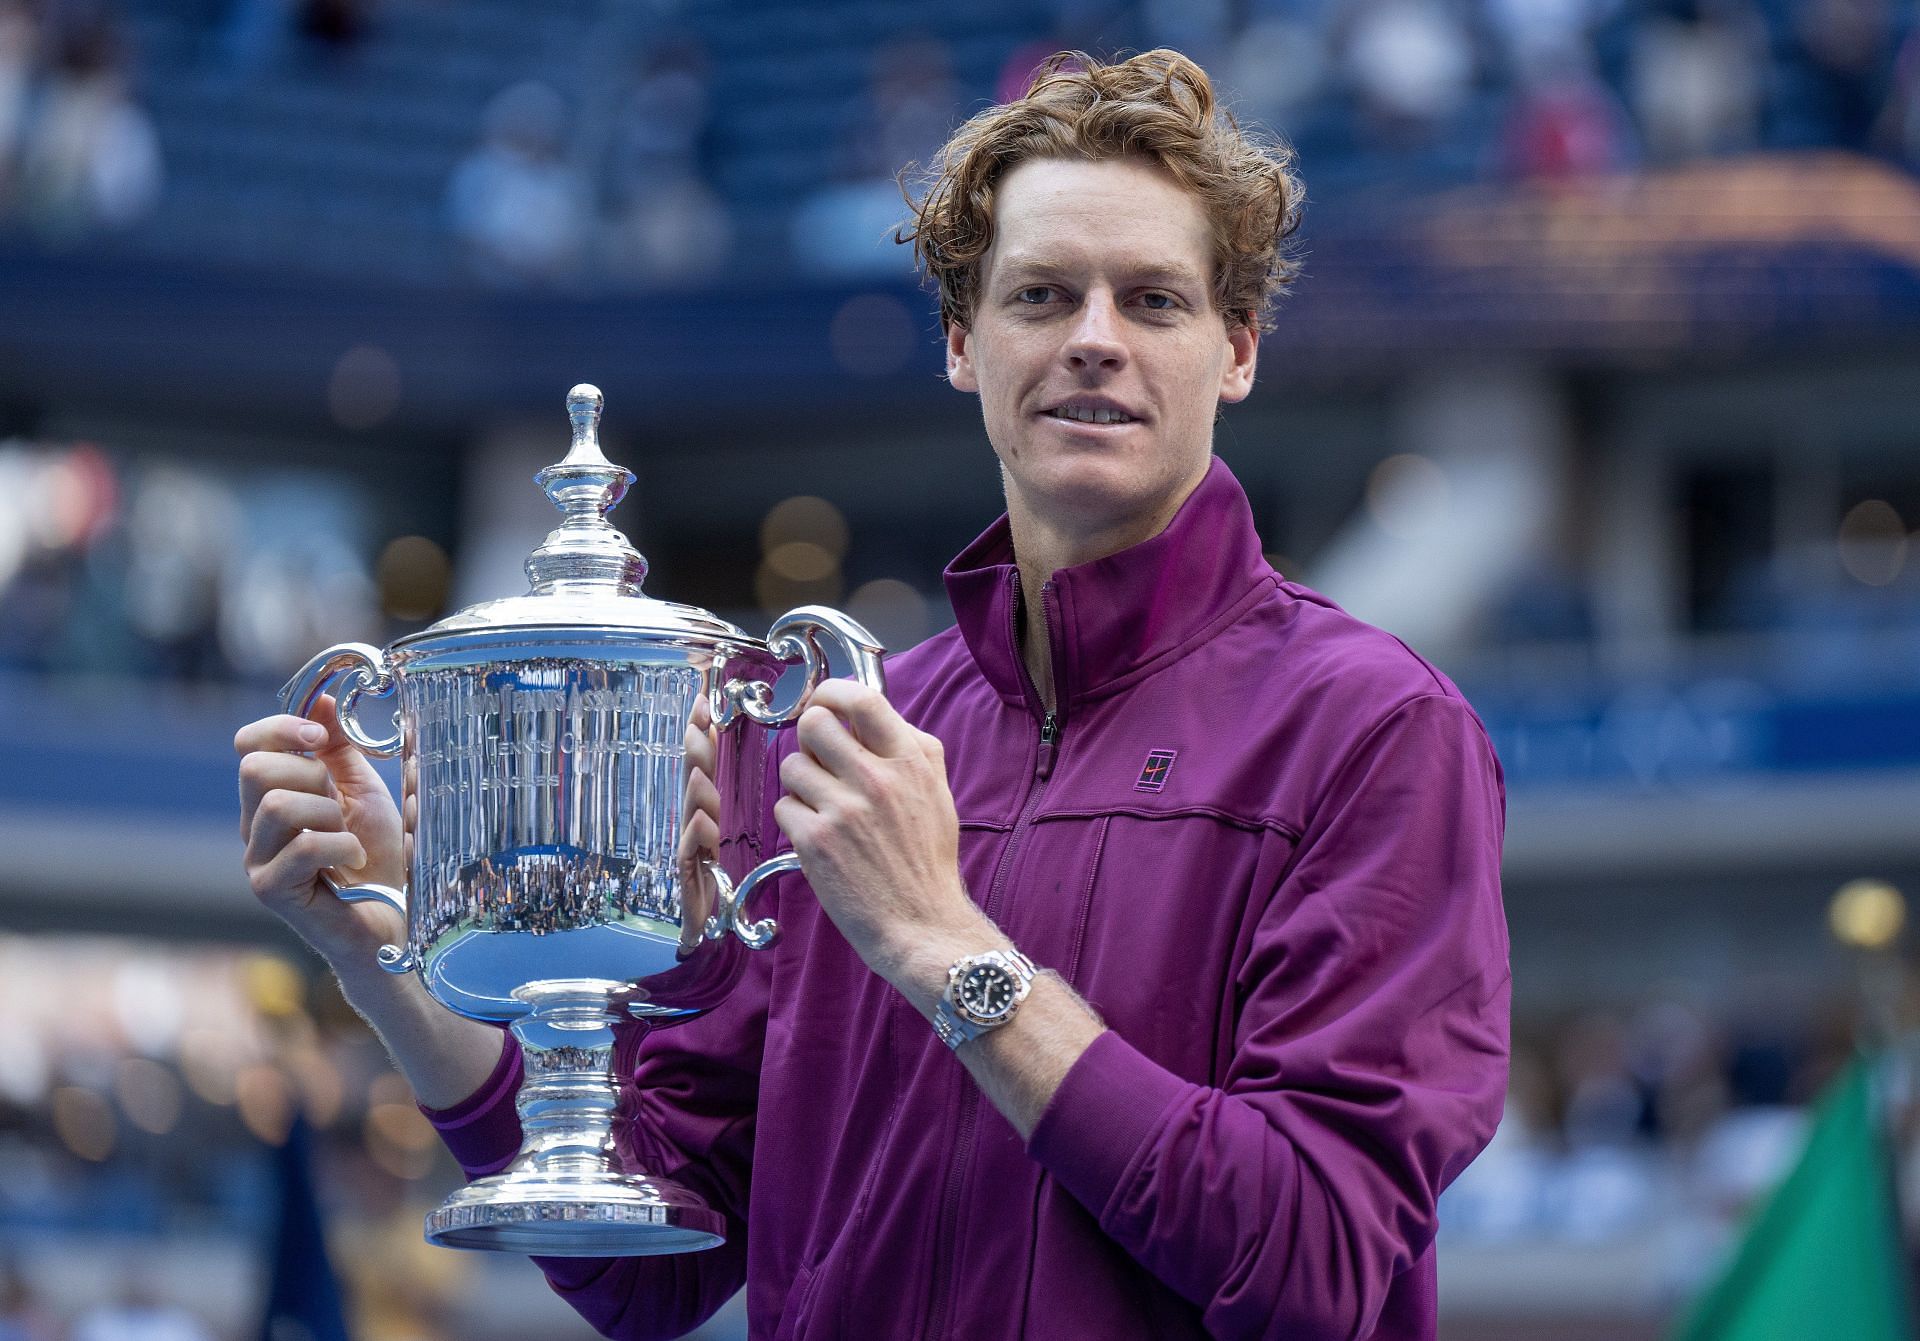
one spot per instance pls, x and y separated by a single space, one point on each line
1117 618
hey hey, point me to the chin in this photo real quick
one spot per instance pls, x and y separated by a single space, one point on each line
1098 497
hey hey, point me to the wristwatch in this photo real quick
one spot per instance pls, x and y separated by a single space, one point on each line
983 992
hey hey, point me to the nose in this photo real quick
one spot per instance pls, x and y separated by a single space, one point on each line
1094 340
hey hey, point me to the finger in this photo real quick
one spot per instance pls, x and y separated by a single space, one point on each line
796 820
702 796
699 837
300 863
281 732
824 736
264 771
871 717
806 780
700 749
348 767
282 816
702 715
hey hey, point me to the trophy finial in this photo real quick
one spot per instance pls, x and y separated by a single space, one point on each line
585 486
584 404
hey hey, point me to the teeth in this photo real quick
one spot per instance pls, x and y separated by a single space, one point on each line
1086 416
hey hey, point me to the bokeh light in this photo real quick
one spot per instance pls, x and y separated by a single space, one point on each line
805 519
84 1122
1873 542
364 388
1408 496
149 1094
414 575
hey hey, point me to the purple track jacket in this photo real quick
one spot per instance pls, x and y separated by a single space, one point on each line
1263 840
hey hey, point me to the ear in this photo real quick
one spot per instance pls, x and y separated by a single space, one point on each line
960 372
1236 379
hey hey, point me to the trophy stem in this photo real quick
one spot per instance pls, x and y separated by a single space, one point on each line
571 1192
569 1094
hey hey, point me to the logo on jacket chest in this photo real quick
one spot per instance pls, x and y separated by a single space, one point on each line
1153 773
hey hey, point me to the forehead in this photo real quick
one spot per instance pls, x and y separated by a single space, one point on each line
1120 216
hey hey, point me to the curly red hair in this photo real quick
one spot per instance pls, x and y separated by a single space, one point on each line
1159 106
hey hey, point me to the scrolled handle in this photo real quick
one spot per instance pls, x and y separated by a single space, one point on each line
362 669
794 638
730 907
392 958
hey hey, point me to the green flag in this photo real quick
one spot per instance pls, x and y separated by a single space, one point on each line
1822 1258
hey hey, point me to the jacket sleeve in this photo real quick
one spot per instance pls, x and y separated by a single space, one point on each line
1369 1057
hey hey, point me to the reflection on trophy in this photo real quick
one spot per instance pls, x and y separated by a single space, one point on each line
546 731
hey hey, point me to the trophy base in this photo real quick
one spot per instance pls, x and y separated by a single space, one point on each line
579 1215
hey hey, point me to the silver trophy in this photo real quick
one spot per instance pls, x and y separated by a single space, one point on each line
545 731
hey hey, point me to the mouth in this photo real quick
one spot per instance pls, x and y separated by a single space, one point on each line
1090 412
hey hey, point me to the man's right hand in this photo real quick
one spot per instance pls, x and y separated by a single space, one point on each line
310 801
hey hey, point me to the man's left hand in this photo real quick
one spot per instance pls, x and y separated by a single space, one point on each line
869 815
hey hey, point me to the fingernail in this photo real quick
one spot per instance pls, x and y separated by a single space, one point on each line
313 735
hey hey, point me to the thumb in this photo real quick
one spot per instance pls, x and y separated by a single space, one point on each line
352 772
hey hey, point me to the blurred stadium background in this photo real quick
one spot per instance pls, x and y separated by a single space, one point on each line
1601 390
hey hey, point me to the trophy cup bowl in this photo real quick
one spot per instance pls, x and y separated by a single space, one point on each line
546 733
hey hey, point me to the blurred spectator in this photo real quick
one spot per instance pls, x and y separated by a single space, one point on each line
1695 78
91 156
1411 62
911 102
1276 66
19 49
1538 36
665 221
1563 123
1838 86
516 204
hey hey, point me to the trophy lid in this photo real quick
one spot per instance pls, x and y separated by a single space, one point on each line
586 573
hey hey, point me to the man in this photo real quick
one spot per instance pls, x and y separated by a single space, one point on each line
1148 977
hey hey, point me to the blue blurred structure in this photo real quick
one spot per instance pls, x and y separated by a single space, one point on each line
303 1295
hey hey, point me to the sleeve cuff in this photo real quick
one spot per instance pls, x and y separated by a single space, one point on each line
483 1130
1111 1103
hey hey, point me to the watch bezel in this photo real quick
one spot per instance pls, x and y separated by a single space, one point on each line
995 962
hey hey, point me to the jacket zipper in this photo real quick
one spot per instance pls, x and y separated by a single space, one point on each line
948 1224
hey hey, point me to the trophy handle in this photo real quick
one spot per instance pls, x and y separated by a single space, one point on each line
730 909
393 958
366 672
794 638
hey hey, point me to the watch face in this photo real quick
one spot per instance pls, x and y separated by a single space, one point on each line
986 991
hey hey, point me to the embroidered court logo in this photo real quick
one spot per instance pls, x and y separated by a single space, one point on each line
1153 773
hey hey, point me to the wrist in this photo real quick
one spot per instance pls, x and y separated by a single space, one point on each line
922 973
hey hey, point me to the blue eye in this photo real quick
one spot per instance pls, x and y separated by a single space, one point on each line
1033 295
1158 302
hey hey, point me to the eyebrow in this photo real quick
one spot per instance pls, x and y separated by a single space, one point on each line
1160 273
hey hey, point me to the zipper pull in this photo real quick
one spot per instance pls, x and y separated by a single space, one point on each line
1049 735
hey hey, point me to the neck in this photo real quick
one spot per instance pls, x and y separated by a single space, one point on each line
1041 549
